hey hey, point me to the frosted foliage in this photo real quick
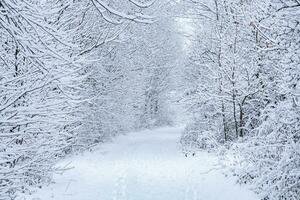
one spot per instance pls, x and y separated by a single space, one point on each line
76 74
63 87
243 89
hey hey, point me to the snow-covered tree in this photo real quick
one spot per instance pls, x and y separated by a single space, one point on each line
243 81
48 53
34 110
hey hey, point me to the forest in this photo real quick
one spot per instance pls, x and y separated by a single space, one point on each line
77 75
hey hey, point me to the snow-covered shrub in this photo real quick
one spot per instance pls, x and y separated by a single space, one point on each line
194 139
270 160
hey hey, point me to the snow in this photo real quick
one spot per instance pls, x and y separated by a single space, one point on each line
146 165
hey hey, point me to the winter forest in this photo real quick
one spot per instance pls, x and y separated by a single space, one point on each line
149 99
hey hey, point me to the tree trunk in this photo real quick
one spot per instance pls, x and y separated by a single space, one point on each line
224 122
241 121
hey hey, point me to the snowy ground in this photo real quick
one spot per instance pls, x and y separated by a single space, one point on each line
145 165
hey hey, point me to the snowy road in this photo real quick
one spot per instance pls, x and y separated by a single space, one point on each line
145 165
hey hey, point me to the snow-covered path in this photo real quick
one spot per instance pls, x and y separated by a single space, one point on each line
145 165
